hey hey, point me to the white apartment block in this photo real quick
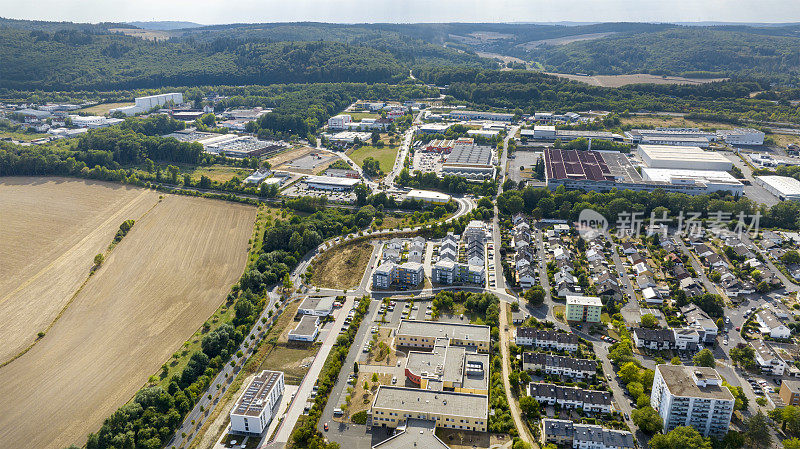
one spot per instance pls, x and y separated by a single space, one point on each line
339 122
692 396
252 413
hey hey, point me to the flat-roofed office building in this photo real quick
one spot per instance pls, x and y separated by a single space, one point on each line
252 413
392 406
424 334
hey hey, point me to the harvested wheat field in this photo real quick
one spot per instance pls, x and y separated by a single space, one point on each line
157 286
50 230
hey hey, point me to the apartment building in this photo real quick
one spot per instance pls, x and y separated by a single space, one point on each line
558 365
385 275
684 339
425 334
790 392
767 359
388 273
585 309
546 339
564 433
692 396
252 413
393 406
591 401
449 272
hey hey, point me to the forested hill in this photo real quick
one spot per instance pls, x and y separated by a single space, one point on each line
74 60
726 50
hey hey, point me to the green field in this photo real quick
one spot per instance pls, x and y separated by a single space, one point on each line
357 116
103 108
385 155
21 136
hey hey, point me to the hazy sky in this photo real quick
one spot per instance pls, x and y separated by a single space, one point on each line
354 11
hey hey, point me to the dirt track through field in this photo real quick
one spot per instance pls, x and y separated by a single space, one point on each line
156 288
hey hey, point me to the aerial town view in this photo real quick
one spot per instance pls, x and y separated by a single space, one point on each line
380 225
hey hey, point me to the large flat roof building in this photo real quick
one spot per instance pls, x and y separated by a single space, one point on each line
252 413
428 196
244 146
682 157
330 183
713 180
783 187
317 306
144 104
420 433
741 136
424 334
456 114
470 161
449 368
393 405
692 396
306 330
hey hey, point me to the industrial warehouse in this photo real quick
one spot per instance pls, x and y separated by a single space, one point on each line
784 187
470 161
677 169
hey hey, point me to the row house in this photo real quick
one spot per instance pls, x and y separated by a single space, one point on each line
546 339
558 365
591 401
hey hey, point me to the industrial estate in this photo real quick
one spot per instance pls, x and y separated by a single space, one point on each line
471 254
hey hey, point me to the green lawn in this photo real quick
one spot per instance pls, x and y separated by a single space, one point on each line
385 155
357 116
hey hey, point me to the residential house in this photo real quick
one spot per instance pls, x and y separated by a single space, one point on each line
546 339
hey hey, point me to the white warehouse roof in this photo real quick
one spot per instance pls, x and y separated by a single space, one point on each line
332 180
427 195
716 178
783 187
683 157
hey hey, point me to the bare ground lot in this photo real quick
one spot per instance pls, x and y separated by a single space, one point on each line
638 78
156 288
343 266
50 230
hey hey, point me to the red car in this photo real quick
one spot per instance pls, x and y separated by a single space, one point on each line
325 427
738 328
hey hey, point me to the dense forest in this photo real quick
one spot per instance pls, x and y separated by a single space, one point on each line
681 51
74 56
530 91
67 60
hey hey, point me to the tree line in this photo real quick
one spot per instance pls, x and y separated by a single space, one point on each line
567 205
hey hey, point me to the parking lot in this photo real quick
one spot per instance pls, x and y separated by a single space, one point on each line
427 162
300 189
522 159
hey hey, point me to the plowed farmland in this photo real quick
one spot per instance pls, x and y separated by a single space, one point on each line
157 286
